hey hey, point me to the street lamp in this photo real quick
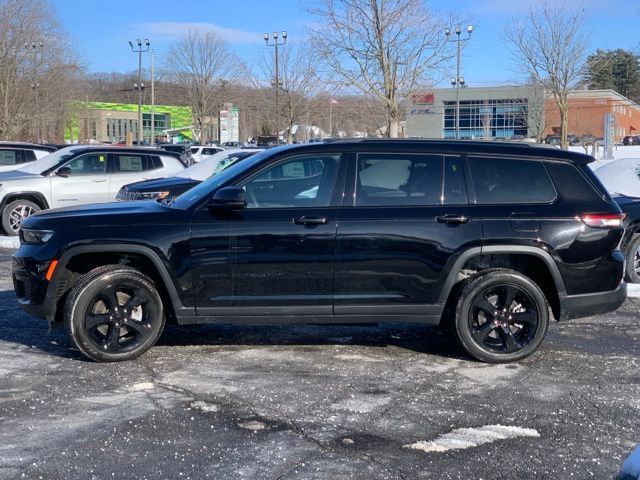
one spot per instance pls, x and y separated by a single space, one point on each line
139 49
36 47
276 43
458 81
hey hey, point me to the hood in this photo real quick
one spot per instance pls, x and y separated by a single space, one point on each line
161 184
97 214
17 175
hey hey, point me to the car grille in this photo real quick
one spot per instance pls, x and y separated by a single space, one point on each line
128 195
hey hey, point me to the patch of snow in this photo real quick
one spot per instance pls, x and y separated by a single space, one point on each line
9 242
253 425
633 290
204 406
462 438
141 387
621 176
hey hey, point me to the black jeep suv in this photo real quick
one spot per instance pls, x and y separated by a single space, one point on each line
490 238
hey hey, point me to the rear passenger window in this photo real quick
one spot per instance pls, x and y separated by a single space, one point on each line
129 163
9 157
28 156
389 179
154 162
502 180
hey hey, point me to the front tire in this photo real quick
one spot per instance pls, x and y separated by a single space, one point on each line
114 313
501 316
14 213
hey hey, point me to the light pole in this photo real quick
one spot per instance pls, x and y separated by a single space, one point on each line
36 48
459 81
276 43
139 49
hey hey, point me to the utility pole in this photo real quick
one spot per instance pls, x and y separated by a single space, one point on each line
458 80
140 49
276 84
152 140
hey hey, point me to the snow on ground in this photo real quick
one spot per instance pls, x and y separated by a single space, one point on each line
633 290
9 242
462 438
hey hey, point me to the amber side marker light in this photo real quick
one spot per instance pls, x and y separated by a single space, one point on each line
50 270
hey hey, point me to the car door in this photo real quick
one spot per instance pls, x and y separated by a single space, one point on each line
127 168
82 180
282 245
407 224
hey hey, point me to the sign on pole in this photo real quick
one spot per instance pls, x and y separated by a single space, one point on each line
229 130
609 130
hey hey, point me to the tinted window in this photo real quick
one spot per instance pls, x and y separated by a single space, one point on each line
455 188
130 163
90 164
388 179
305 181
10 157
155 162
28 156
209 151
501 180
194 150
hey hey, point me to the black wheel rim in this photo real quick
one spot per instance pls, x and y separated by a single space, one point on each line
504 319
120 318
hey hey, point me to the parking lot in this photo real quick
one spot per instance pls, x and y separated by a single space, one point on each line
317 402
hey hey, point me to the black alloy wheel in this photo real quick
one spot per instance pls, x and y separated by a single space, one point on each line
504 318
501 316
114 313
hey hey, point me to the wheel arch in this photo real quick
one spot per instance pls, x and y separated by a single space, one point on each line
81 259
36 197
542 268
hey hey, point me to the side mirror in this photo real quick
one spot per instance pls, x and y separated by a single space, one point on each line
63 172
229 198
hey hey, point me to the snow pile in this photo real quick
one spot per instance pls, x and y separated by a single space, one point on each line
462 438
633 290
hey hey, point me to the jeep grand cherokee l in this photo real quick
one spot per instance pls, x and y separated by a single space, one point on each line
487 237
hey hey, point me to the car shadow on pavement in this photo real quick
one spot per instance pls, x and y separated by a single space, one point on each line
18 327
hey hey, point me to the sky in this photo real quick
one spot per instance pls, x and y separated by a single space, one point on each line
100 30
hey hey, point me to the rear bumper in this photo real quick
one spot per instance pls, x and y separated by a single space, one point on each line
586 305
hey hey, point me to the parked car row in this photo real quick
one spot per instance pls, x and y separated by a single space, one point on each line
489 238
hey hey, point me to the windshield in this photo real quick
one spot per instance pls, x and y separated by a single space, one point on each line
213 164
192 196
47 163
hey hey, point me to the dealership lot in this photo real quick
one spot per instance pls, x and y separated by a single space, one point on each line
317 402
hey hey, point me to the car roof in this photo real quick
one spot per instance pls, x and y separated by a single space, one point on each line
447 146
27 145
122 149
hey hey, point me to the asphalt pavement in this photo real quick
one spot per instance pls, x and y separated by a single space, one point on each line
317 402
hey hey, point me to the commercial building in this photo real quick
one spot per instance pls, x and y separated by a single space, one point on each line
111 122
516 111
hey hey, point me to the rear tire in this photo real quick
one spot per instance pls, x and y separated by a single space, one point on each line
632 256
501 316
114 313
14 213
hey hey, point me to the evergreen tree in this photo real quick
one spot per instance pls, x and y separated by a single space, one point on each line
618 70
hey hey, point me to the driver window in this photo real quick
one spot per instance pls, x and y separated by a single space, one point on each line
301 181
90 164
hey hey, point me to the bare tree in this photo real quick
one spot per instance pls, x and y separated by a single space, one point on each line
299 82
38 70
549 45
202 64
379 47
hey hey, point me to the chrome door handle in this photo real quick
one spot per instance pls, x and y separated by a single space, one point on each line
452 219
99 180
310 220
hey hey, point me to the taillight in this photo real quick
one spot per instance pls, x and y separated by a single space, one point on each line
603 220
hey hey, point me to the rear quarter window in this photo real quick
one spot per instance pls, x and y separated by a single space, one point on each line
509 180
578 183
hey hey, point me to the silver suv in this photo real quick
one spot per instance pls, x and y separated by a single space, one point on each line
78 175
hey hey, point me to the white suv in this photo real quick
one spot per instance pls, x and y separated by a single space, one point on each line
202 152
78 175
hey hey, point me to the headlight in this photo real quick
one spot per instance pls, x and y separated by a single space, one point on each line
35 237
152 195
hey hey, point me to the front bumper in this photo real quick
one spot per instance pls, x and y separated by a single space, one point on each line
586 305
32 289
